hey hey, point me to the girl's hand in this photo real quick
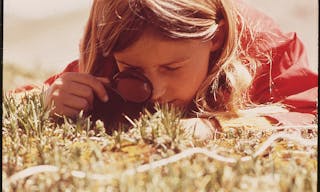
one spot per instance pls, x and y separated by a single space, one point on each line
201 129
74 91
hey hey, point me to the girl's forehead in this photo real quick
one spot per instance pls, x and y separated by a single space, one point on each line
150 47
152 36
151 40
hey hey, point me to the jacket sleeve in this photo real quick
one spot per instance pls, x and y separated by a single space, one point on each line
293 84
285 76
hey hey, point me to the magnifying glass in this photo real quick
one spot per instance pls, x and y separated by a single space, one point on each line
131 86
129 92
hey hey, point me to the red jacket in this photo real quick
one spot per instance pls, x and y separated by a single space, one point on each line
288 79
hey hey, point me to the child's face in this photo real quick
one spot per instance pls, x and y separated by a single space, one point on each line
176 68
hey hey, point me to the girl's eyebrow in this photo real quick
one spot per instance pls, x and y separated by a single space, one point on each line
165 64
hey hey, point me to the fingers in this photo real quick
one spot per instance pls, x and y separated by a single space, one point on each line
103 80
91 81
75 102
65 110
81 91
74 92
66 103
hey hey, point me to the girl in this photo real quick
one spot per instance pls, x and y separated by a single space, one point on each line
207 56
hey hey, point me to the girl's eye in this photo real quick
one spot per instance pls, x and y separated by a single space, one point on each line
169 68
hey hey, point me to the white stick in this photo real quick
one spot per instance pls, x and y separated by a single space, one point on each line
146 167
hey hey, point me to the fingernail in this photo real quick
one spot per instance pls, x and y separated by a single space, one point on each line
105 98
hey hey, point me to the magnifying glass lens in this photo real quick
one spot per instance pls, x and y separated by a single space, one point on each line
134 90
133 86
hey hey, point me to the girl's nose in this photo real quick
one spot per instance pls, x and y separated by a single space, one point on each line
158 94
159 87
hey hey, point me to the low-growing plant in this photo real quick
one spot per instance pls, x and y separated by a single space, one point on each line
154 154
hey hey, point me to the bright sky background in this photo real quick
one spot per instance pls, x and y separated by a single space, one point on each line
47 32
36 9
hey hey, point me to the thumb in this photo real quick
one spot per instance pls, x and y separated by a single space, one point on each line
103 80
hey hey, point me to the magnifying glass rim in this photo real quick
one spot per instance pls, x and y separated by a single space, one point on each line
131 74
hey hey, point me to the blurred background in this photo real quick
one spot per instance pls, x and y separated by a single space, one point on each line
41 36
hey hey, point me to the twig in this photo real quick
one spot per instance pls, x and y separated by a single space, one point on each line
28 172
147 167
292 137
286 127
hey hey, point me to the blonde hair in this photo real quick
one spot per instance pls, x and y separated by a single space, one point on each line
114 25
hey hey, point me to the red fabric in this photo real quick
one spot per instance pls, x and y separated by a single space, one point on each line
287 79
72 67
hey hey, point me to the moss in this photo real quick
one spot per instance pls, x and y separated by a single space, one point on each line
80 156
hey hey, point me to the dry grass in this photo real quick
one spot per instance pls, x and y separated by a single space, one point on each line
40 154
15 76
